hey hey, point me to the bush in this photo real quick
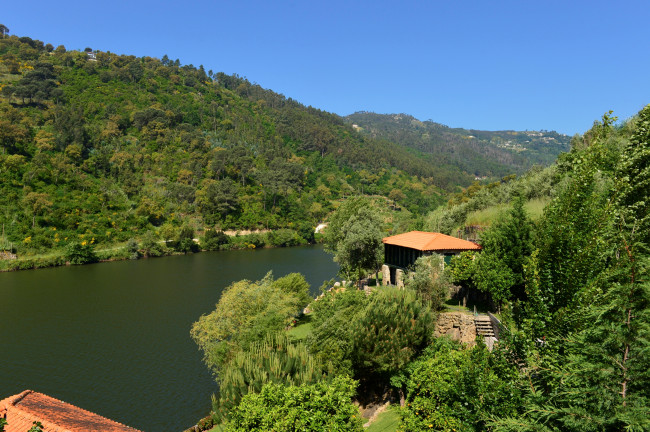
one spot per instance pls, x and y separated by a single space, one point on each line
451 388
428 280
246 313
132 249
185 240
80 253
331 339
392 329
320 407
284 238
214 240
150 246
276 359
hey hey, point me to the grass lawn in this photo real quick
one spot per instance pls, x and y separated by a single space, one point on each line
386 421
302 328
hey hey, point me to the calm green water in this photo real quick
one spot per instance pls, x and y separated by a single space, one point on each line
113 338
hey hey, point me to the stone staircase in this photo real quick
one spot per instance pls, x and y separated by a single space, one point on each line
483 326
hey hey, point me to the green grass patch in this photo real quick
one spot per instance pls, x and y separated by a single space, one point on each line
488 216
302 328
535 208
387 421
455 305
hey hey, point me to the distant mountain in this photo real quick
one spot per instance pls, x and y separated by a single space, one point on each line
480 153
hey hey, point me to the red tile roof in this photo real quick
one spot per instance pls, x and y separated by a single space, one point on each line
430 241
23 409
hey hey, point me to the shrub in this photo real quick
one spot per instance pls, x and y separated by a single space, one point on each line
331 340
132 249
185 240
276 359
320 407
284 238
451 388
428 280
80 253
392 329
214 240
150 246
247 312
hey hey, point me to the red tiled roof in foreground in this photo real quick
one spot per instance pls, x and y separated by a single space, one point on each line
23 409
430 241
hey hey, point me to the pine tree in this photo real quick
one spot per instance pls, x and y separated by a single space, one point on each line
391 331
634 177
276 359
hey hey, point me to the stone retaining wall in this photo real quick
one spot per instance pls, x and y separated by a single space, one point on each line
458 325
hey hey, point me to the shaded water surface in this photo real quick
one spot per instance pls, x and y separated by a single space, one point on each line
113 338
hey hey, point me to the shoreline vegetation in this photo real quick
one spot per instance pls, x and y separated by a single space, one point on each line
102 148
84 253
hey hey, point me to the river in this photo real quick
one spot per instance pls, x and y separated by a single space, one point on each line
113 338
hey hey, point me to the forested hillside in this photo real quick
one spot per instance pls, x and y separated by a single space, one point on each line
465 151
570 287
100 148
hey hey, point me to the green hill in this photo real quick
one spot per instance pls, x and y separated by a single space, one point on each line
476 153
101 148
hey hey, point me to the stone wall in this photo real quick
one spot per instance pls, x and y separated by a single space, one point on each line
458 325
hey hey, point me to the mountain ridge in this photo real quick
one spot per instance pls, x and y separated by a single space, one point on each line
485 153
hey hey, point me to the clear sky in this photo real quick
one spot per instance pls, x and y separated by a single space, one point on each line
521 64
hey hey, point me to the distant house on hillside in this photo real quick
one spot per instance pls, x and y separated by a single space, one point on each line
402 250
92 56
22 410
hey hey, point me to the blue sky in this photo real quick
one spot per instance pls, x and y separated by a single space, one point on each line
545 64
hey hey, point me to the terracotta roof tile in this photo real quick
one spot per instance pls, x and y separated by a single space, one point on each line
23 409
430 241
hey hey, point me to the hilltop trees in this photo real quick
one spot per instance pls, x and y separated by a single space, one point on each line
38 84
104 137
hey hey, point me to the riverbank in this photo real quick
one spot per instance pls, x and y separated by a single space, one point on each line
138 249
91 334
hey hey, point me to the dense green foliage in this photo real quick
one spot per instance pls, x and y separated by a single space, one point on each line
320 407
537 184
354 236
115 147
392 329
455 389
574 292
427 279
276 359
499 269
461 154
332 336
246 313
